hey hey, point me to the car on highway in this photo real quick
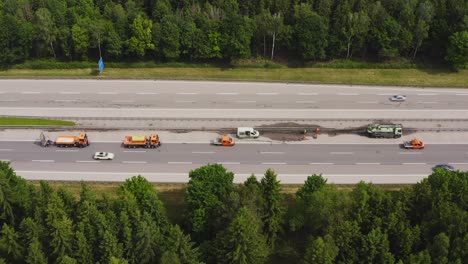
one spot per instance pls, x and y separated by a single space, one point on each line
444 166
398 98
103 156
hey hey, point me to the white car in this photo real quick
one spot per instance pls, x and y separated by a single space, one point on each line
103 156
398 98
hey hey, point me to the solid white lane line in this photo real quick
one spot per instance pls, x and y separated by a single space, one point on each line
385 94
123 101
367 102
69 92
88 161
64 100
43 161
227 93
108 93
459 163
271 152
146 93
321 163
427 94
348 94
266 93
30 92
2 92
228 163
9 101
185 101
66 150
307 93
186 93
135 151
367 163
414 163
341 153
410 153
134 162
426 102
245 101
306 102
179 162
273 163
5 160
6 150
462 94
203 152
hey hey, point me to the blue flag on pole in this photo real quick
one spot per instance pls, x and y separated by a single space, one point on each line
101 65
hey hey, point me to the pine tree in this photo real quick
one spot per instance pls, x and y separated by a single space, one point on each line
273 212
242 242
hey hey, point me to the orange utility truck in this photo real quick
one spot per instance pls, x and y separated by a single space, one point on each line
223 141
151 141
414 144
79 141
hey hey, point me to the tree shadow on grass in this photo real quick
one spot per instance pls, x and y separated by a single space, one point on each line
94 72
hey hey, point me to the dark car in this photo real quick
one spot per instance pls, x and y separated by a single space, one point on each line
444 166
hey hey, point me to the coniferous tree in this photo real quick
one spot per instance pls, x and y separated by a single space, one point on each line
10 244
242 242
273 208
35 255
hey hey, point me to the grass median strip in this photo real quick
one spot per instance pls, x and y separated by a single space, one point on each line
18 121
404 77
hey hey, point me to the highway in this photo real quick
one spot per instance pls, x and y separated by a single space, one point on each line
201 104
128 94
341 163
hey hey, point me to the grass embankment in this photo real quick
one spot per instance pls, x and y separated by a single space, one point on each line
18 121
398 72
406 77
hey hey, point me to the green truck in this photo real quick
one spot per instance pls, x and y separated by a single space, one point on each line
385 131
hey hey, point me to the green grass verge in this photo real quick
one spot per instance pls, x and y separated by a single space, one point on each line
17 121
404 77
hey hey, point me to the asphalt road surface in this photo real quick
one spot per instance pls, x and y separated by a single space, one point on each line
340 163
220 95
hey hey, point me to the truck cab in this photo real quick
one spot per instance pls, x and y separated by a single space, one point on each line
247 132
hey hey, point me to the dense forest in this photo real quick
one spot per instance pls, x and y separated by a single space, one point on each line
253 222
226 30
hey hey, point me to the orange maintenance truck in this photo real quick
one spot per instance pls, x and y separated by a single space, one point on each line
414 144
223 141
79 141
151 141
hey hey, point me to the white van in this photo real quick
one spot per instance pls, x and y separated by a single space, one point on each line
247 132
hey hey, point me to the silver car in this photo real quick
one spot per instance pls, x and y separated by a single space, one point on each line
103 156
398 98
